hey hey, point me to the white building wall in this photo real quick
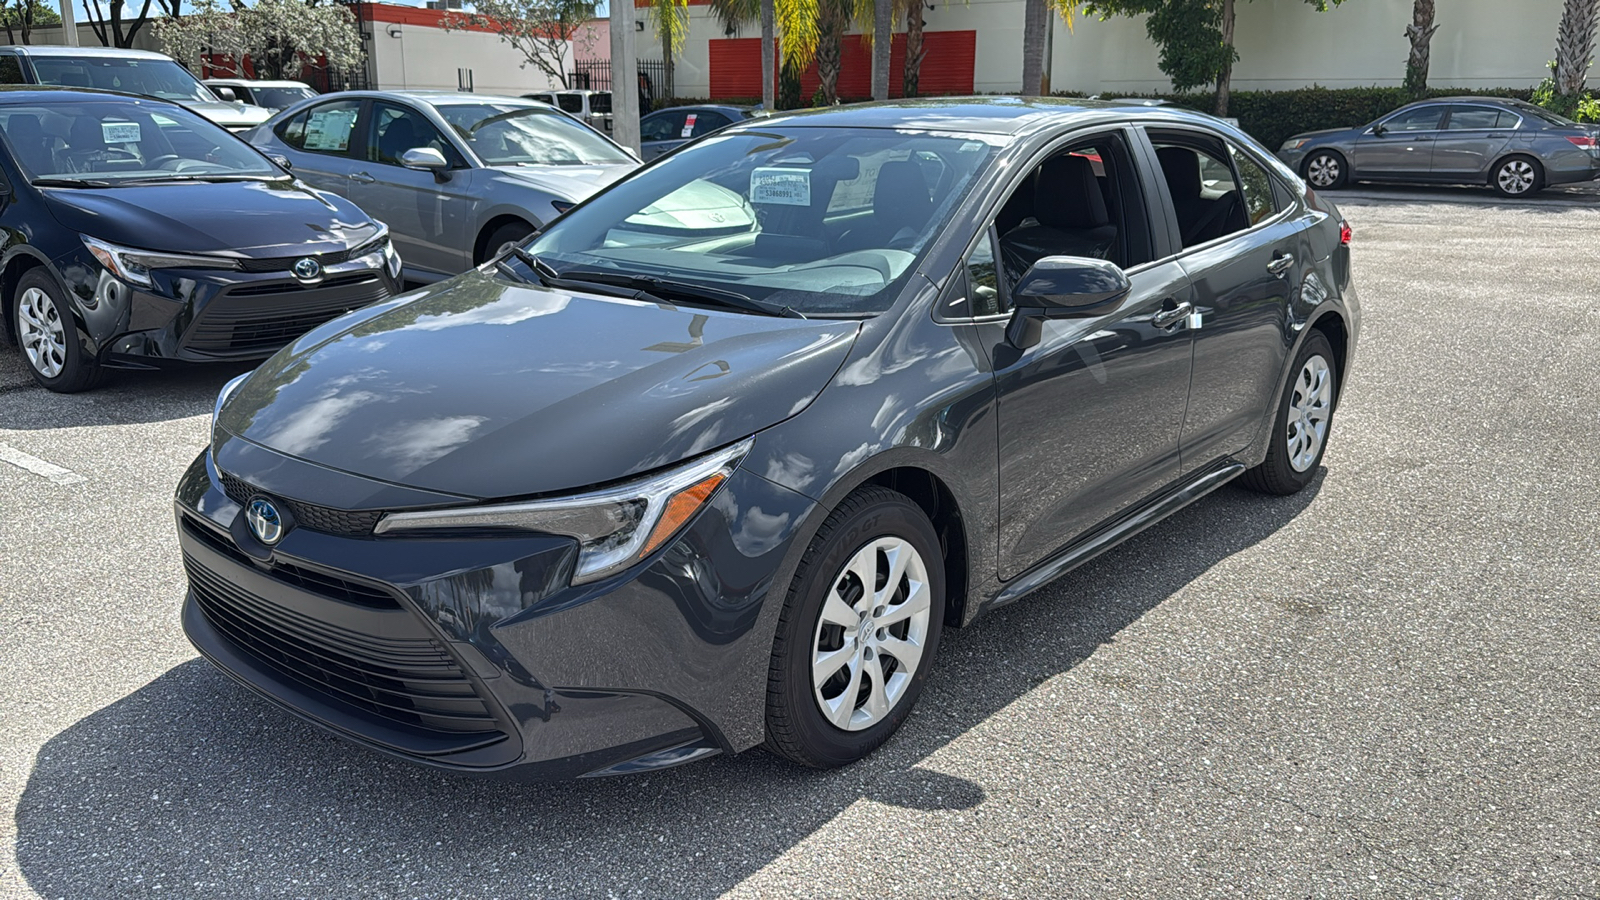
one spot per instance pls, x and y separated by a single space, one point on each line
417 57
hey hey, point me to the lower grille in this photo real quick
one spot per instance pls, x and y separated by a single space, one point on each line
259 319
408 679
319 583
352 523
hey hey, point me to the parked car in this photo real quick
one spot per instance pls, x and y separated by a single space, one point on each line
141 233
668 129
269 95
456 176
129 71
642 492
593 108
1515 147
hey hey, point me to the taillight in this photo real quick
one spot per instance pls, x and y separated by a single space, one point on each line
1344 233
1587 142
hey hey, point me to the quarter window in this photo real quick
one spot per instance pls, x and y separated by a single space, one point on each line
326 128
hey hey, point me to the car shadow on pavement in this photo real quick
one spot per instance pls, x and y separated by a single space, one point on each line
190 787
124 396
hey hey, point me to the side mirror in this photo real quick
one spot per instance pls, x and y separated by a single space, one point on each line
423 158
281 160
1064 287
1378 129
226 94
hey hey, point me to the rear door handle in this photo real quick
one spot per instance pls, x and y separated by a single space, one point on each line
1280 263
1171 316
362 178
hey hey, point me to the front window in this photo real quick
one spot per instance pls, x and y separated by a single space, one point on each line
120 141
159 78
281 97
1424 118
825 221
513 134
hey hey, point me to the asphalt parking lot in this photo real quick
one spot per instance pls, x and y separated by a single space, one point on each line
1388 685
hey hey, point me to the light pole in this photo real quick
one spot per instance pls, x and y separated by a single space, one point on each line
624 77
69 25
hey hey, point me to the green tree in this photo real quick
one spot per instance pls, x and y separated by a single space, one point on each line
279 36
1195 37
1420 33
796 22
541 30
1575 45
21 16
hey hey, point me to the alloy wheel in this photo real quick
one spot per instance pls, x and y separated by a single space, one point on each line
1322 171
1309 408
871 635
1516 176
43 336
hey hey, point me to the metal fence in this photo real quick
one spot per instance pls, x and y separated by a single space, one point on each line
595 75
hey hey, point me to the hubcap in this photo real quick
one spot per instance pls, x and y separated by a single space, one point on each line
1322 170
1309 407
1516 176
44 338
871 635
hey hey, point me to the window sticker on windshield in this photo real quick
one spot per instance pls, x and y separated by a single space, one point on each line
329 129
119 132
688 125
781 187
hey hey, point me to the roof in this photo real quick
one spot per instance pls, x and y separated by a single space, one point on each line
109 52
981 115
446 98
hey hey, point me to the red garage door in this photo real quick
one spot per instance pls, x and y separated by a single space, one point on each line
946 67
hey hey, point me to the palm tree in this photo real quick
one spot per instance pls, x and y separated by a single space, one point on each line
882 36
1575 45
1420 32
672 28
794 20
911 11
1035 19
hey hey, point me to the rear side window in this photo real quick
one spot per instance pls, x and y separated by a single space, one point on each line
11 70
1255 186
1480 118
325 128
1207 199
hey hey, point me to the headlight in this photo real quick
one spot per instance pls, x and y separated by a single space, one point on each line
1295 143
222 397
133 266
615 528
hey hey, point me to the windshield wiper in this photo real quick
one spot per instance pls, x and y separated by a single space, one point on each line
211 178
649 284
53 181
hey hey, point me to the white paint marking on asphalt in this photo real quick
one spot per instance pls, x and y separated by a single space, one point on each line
38 466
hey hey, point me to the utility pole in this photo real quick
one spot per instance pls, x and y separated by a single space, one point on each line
624 76
69 25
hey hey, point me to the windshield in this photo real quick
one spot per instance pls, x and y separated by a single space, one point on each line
512 134
124 141
826 221
600 103
159 78
281 97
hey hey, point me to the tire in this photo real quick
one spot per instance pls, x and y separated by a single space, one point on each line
505 234
48 335
1517 176
1298 441
860 535
1326 170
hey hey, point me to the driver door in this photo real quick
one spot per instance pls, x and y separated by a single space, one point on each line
429 219
1400 146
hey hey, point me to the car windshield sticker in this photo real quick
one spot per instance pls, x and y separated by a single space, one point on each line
119 132
781 187
329 129
688 124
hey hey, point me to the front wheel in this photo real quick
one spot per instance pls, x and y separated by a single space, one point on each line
1326 170
858 632
1300 429
49 336
1517 176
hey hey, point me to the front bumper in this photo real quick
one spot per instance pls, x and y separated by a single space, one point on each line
476 655
205 315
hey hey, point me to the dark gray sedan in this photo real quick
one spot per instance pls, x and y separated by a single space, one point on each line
1516 147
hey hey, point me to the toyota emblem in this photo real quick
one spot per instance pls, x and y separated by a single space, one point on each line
307 269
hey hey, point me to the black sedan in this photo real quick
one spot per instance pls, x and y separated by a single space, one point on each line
712 461
665 130
1515 147
138 232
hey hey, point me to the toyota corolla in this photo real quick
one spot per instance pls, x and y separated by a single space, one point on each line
656 485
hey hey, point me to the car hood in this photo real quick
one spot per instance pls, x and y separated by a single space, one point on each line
234 218
575 183
480 388
231 115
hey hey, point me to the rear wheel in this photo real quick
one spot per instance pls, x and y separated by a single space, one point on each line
1305 415
49 336
1517 176
1326 170
858 633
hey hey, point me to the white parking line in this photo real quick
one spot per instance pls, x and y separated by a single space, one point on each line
38 466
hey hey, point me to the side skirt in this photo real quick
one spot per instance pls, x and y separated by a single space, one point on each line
1164 505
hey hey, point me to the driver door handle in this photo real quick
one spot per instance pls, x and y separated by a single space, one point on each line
1166 317
362 178
1280 263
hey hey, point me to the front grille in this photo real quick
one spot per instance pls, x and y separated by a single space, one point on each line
286 263
350 523
409 679
320 583
260 318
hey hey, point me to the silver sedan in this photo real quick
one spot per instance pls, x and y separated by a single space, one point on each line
1515 147
455 176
